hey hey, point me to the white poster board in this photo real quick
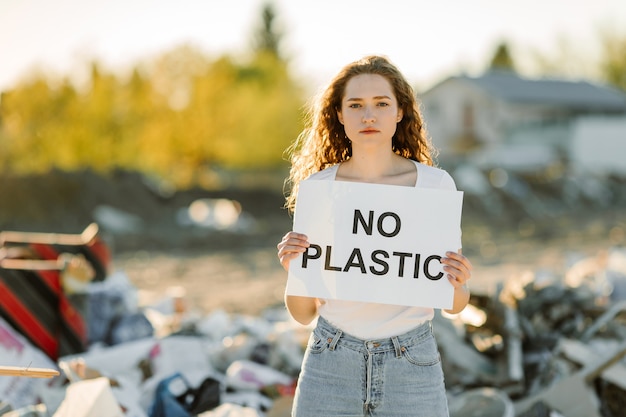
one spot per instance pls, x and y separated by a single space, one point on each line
375 243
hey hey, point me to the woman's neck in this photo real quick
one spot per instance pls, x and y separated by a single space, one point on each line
386 168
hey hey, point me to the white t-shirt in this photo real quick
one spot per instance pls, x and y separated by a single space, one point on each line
372 320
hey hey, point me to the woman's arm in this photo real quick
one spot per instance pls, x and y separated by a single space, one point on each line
459 270
302 309
461 298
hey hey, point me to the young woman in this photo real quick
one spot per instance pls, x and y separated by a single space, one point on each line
367 359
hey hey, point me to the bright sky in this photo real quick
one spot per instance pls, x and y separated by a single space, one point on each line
427 39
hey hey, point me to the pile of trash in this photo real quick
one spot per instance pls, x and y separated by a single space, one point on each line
157 361
75 340
548 345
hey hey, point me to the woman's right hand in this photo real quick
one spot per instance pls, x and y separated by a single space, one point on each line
292 245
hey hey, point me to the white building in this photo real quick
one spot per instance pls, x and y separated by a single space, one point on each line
520 123
598 145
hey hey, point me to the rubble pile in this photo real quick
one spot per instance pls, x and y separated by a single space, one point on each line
546 345
551 346
191 364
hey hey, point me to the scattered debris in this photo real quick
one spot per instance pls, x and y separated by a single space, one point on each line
555 348
550 346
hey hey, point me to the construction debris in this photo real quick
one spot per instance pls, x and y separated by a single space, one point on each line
555 348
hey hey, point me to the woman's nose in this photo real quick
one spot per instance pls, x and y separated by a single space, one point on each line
368 115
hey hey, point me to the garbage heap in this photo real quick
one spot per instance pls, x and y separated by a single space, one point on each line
548 345
171 362
65 311
545 346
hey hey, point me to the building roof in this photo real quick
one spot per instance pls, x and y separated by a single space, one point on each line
511 87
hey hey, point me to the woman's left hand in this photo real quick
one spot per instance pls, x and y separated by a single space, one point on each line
458 268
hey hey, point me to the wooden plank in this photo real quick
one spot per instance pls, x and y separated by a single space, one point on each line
32 264
83 238
28 372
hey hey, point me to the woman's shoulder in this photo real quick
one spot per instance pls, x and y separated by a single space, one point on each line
327 174
433 177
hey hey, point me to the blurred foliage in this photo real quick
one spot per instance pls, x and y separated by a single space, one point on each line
613 59
267 37
179 118
185 115
609 67
502 59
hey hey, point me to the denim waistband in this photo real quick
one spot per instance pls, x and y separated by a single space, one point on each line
335 336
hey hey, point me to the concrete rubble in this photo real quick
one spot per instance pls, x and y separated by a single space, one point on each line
550 346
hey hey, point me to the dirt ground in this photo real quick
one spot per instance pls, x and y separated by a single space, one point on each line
246 281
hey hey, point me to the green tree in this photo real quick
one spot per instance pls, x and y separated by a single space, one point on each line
164 134
564 61
32 112
567 60
178 117
267 38
502 59
612 66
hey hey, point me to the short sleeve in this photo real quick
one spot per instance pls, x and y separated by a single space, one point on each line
447 182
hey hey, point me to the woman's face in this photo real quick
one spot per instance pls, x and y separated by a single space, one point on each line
369 109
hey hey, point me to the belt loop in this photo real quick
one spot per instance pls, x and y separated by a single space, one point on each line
396 345
333 342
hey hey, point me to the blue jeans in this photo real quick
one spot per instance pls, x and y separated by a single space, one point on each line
346 376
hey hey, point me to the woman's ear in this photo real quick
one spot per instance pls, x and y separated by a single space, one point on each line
400 115
340 116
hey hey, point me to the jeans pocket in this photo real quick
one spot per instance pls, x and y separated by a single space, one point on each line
317 342
423 353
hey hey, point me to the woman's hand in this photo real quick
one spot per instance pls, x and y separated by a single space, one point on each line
459 271
458 268
292 245
302 309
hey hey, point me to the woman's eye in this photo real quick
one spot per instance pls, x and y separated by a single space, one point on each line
355 105
383 104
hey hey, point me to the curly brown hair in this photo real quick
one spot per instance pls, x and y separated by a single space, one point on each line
323 141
